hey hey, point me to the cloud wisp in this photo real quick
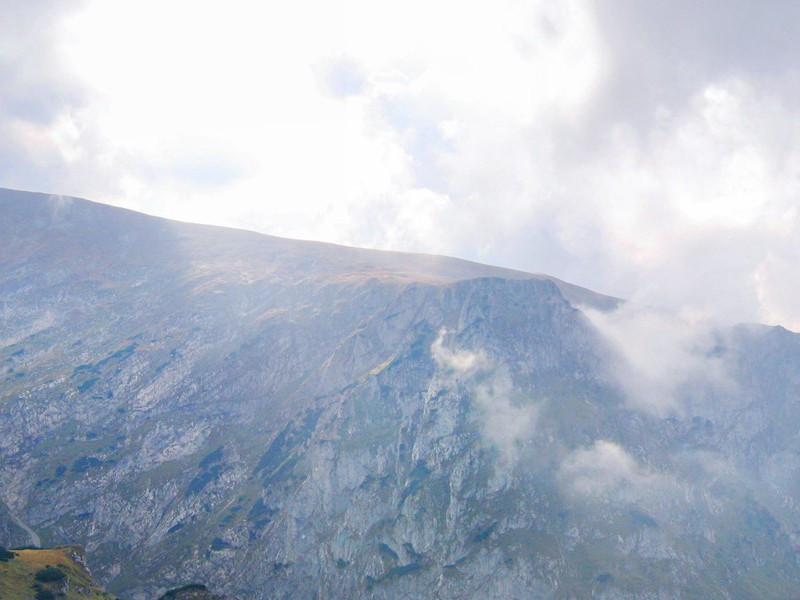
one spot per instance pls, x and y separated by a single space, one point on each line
504 421
653 357
458 362
605 472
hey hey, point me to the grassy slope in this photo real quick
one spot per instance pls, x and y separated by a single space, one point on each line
17 576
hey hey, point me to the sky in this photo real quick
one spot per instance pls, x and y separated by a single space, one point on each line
644 149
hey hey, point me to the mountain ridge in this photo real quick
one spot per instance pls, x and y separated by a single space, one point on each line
360 262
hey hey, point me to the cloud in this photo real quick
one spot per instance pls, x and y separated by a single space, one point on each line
36 87
655 355
505 421
38 93
776 281
605 472
663 52
341 77
459 362
643 151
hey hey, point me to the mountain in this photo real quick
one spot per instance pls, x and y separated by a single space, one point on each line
280 419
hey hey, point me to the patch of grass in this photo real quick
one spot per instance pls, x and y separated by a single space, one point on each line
47 573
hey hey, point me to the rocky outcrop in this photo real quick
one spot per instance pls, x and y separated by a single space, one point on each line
14 533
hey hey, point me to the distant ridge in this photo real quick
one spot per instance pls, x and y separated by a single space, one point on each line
255 254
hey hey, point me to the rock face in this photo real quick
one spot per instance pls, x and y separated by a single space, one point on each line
14 533
282 419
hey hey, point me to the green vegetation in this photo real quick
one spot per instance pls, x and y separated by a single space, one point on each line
415 479
85 463
218 544
392 574
197 484
387 552
211 458
176 527
87 385
47 573
260 514
43 593
184 591
6 555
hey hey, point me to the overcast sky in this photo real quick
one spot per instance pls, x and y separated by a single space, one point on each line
647 149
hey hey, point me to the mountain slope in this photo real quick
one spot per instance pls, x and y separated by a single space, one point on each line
281 419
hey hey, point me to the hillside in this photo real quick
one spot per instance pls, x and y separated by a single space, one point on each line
47 574
281 419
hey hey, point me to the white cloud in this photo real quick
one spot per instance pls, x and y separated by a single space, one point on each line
460 362
604 471
506 423
640 152
776 281
504 420
654 354
341 76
